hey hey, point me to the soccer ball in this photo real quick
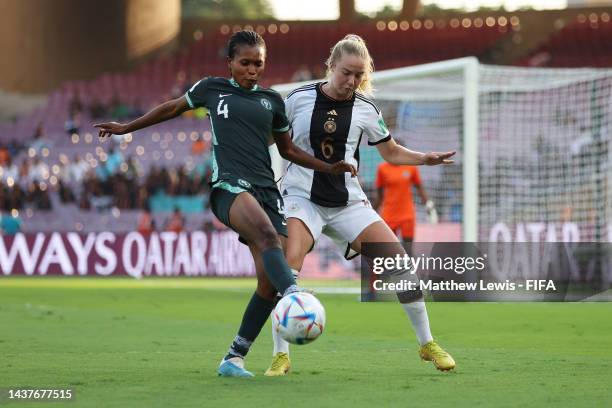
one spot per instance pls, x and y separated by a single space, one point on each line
299 318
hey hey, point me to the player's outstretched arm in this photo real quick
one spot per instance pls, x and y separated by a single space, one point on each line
396 154
160 113
291 152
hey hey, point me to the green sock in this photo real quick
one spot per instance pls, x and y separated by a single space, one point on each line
255 316
277 269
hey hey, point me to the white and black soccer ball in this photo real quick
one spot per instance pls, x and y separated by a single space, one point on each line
299 318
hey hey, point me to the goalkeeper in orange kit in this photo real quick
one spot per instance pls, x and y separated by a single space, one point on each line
395 201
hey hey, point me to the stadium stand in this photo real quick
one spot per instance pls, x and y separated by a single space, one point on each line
585 42
53 136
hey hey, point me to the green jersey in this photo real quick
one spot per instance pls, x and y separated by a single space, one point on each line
242 121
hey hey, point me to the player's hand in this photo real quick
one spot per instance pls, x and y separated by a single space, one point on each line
341 167
111 128
435 158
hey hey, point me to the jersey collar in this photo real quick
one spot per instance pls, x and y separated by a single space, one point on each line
320 89
237 85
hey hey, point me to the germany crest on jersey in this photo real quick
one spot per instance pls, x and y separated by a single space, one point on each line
330 130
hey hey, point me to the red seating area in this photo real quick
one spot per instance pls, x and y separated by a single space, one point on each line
392 44
290 46
586 42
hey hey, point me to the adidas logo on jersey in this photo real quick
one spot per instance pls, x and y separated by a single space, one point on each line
332 112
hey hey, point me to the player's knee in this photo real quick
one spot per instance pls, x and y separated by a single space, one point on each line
410 296
268 238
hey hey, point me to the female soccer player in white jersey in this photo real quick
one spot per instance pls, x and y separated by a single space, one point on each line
328 120
244 194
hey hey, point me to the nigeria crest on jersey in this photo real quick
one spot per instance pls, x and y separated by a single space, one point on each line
266 103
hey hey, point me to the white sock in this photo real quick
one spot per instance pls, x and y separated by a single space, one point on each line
280 345
417 312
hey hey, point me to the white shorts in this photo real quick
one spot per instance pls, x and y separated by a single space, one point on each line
342 224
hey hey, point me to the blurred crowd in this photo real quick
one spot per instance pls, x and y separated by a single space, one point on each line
29 180
117 182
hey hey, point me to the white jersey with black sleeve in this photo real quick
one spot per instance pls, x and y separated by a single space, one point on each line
330 130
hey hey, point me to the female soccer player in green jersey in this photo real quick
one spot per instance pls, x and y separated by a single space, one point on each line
244 194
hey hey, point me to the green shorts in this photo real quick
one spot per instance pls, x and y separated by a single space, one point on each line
224 192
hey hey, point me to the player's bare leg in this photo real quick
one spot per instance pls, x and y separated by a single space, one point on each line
299 243
412 302
252 224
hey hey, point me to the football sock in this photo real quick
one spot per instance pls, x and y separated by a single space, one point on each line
254 318
417 312
280 345
239 348
277 270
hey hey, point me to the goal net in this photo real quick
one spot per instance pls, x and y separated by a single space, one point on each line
533 147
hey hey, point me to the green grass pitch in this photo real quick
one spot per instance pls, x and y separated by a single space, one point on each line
157 343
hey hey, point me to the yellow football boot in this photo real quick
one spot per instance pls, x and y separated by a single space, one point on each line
280 365
436 354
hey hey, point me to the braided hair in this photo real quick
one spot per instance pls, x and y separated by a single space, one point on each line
250 38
